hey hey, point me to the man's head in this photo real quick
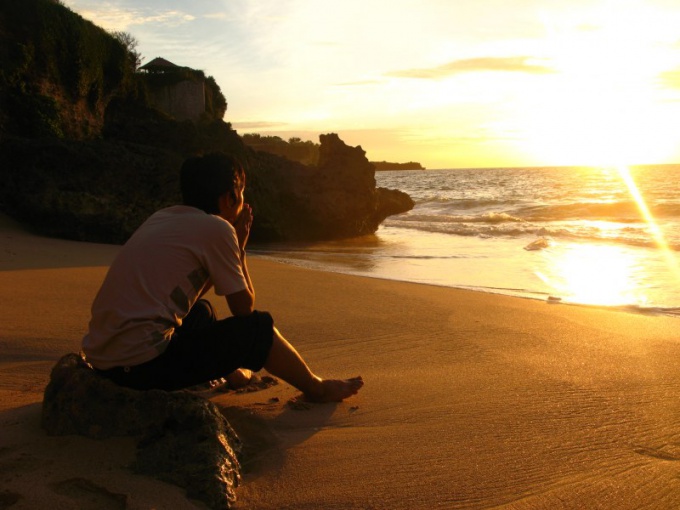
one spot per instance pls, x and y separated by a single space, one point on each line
204 179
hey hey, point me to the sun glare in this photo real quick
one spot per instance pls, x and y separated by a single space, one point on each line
607 274
595 275
602 105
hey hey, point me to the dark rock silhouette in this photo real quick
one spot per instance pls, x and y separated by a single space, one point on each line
183 438
387 165
336 199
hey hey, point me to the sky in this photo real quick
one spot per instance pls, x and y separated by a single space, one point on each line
447 83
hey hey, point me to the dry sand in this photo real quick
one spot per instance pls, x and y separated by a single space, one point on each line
471 400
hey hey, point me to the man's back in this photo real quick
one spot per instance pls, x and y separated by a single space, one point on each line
167 264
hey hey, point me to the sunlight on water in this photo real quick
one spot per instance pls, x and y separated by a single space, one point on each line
596 275
607 275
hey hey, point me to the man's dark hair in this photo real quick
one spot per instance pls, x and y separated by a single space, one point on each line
204 179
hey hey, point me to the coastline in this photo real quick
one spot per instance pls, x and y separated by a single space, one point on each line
471 400
474 273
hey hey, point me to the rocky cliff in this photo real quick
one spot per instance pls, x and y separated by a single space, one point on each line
85 156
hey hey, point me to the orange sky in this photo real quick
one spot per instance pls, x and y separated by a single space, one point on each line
471 83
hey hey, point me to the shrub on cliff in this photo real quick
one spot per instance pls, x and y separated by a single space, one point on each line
294 149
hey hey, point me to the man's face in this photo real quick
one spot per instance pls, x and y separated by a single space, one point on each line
230 207
238 203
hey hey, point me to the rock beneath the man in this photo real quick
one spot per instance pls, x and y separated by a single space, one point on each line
183 438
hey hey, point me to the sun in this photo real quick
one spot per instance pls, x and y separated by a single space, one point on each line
602 105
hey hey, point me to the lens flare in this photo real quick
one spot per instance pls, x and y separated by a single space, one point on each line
654 228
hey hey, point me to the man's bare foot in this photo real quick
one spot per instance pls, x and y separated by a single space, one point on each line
334 390
239 378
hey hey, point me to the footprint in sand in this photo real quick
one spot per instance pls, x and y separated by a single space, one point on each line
89 495
656 453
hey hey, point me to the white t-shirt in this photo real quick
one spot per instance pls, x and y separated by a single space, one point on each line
168 263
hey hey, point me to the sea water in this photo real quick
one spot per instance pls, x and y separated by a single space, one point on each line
593 236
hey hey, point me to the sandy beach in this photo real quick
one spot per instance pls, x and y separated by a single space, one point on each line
471 400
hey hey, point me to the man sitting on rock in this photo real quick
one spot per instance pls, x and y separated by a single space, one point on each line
149 326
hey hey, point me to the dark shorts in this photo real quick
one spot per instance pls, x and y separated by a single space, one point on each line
202 350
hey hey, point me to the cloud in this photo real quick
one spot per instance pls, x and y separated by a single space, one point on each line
169 18
471 65
216 15
358 83
670 79
122 18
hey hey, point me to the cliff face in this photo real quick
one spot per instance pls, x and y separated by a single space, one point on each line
84 155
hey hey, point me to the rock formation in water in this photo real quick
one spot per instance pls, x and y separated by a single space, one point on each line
386 165
337 198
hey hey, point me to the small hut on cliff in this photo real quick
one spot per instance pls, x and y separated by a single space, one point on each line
175 90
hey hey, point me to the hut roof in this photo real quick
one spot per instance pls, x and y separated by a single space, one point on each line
159 64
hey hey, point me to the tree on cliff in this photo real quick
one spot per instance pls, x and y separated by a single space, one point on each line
130 43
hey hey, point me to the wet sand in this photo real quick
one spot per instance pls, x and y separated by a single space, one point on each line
471 400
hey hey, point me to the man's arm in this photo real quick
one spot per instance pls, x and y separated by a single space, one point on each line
242 302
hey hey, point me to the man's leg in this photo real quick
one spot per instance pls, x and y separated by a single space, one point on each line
285 362
202 315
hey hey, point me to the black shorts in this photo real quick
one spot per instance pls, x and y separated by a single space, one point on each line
202 350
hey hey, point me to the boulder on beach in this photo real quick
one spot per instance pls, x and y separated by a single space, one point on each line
182 438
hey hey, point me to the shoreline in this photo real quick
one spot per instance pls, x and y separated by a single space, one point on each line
472 400
543 297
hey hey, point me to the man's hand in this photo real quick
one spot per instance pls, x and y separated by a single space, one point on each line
242 226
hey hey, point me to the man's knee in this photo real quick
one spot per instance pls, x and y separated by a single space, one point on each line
201 315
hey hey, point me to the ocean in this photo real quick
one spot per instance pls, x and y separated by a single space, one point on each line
589 236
